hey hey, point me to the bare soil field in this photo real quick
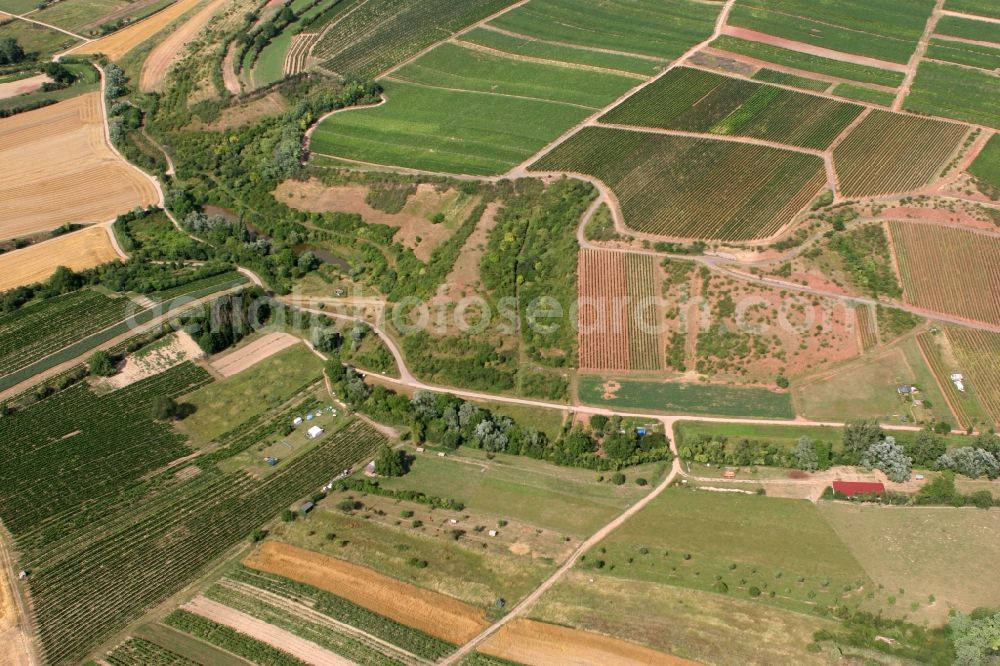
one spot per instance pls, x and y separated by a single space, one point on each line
155 68
22 86
416 231
430 612
173 350
119 43
56 167
246 357
13 643
286 641
79 250
540 644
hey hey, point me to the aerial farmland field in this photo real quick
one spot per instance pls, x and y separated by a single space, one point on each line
955 92
889 152
732 191
55 167
654 29
117 44
883 29
697 101
977 351
78 250
968 276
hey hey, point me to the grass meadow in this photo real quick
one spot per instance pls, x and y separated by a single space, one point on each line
224 404
709 399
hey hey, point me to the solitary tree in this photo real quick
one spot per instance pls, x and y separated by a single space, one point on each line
390 461
858 437
101 364
164 408
805 455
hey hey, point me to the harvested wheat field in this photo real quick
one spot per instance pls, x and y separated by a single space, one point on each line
244 358
431 612
79 250
540 644
119 43
56 167
157 64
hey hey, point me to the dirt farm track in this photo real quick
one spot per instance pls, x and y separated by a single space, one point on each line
56 167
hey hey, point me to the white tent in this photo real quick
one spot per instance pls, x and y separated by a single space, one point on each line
314 432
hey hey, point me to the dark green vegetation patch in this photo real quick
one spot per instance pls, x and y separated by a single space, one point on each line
694 100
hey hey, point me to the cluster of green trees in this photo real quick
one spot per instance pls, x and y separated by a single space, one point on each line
865 254
450 422
11 51
228 319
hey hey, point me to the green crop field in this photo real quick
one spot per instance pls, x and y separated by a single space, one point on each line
185 645
230 402
955 92
660 28
564 499
689 398
884 29
890 152
986 166
809 63
863 94
783 78
980 31
695 188
380 34
445 130
961 53
270 65
692 538
18 6
531 48
456 67
36 39
694 100
978 7
42 328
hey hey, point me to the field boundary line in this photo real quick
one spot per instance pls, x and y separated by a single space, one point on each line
579 47
730 138
24 17
486 92
917 56
810 49
971 17
472 46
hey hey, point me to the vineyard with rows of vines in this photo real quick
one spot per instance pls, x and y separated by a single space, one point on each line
693 188
76 446
890 152
949 270
603 313
978 352
39 329
867 329
98 568
230 640
694 100
644 314
957 401
376 35
342 610
140 652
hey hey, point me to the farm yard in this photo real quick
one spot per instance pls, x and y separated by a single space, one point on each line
949 270
694 100
889 153
78 251
55 167
730 191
